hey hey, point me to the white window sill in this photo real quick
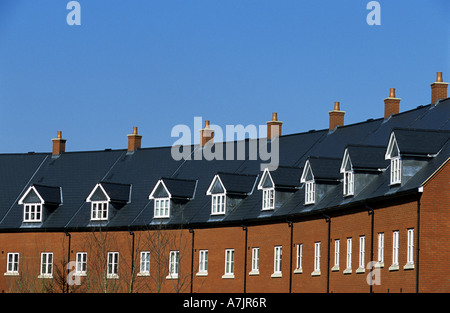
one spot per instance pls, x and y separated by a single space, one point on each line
201 274
315 273
360 270
276 275
408 266
172 276
46 276
335 268
80 274
393 267
253 273
348 270
379 265
228 276
112 276
11 274
143 274
298 271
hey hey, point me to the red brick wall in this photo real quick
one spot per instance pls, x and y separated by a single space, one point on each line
434 274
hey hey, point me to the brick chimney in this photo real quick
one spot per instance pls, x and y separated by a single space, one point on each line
134 140
391 104
438 88
274 127
206 134
59 144
336 116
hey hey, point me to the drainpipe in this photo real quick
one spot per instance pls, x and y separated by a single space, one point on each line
328 220
192 259
419 195
372 216
244 228
68 260
291 226
132 261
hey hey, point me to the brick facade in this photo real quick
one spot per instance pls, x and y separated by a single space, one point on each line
399 214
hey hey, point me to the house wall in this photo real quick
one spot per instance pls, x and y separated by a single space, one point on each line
435 233
389 216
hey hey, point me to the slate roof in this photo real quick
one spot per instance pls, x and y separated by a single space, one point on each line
180 188
77 173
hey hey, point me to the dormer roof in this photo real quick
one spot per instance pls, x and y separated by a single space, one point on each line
108 191
174 188
363 158
321 169
232 183
50 195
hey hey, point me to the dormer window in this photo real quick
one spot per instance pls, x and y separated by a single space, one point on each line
32 212
267 186
396 170
310 185
99 210
393 153
38 201
106 198
268 199
227 191
349 177
162 207
310 192
218 203
169 191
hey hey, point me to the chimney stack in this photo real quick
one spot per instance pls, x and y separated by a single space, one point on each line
274 127
59 144
336 116
391 104
438 89
134 140
206 134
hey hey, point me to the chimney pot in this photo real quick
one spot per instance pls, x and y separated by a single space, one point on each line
134 140
438 88
59 144
391 104
206 134
336 116
274 127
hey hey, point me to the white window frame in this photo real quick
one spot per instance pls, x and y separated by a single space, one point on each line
32 212
81 263
337 250
396 170
277 258
99 210
203 262
161 207
349 183
395 250
380 261
348 263
255 261
12 265
410 250
46 270
174 264
113 265
316 259
229 263
362 252
218 203
310 192
268 198
144 263
299 263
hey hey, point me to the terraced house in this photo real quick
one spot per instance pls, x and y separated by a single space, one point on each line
351 208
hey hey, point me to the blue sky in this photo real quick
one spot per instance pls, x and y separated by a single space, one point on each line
158 63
